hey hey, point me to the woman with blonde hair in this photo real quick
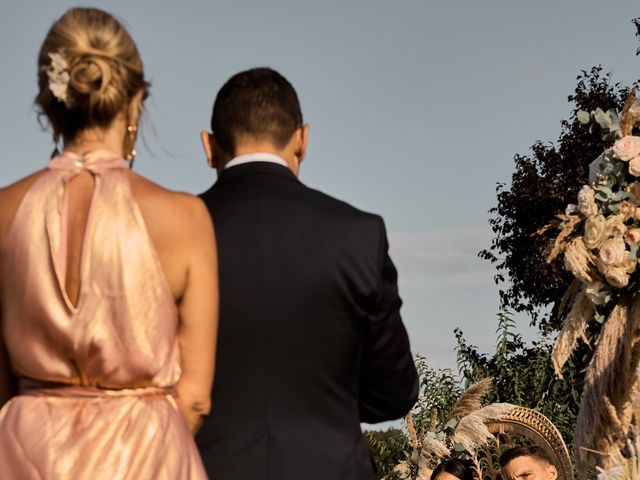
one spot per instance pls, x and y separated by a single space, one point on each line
108 318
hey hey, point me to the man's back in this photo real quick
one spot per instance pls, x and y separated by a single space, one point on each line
310 338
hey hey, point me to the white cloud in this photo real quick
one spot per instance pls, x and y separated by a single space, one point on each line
443 258
445 285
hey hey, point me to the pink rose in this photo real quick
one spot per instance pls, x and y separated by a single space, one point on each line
612 252
632 236
634 166
634 192
627 148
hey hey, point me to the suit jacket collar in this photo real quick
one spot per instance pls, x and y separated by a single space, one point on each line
255 168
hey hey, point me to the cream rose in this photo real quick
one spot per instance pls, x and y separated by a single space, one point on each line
634 166
615 226
612 252
627 148
597 292
586 201
629 265
617 277
595 231
632 236
626 210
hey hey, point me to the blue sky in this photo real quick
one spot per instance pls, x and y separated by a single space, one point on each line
416 109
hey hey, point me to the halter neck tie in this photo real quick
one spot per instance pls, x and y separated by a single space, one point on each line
95 161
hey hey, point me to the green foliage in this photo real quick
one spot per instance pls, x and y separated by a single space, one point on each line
523 375
388 448
439 391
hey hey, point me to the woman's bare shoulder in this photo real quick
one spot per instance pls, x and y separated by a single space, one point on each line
21 186
182 209
11 196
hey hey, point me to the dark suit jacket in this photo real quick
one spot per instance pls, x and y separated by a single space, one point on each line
311 341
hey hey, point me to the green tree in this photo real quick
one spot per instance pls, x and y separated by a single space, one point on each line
523 375
388 448
543 184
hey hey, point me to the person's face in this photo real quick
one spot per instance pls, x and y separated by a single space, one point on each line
446 476
528 468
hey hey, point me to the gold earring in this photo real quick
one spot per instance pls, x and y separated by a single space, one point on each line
131 156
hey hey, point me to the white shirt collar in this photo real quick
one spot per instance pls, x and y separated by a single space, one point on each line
256 157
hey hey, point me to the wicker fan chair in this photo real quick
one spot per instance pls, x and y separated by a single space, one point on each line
522 426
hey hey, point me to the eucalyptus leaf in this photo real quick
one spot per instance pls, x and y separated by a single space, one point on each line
453 423
614 120
583 117
619 167
602 118
458 447
633 251
606 190
619 196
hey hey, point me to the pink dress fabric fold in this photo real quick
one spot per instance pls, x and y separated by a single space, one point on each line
97 378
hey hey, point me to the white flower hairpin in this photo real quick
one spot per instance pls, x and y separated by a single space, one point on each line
58 73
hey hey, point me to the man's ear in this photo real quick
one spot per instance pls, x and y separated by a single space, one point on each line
208 144
553 472
302 141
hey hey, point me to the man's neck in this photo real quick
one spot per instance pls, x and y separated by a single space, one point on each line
257 157
256 152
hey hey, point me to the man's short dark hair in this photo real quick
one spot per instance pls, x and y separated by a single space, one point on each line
533 451
258 103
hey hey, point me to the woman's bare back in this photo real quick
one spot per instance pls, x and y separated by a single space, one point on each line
181 232
171 218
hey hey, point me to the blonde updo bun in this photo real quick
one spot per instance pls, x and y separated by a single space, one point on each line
104 67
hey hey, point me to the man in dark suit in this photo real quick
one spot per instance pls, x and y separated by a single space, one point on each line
310 340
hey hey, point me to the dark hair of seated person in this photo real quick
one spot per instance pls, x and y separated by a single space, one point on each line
257 104
456 467
533 451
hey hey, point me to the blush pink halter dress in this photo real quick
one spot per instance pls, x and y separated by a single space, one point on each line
96 396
